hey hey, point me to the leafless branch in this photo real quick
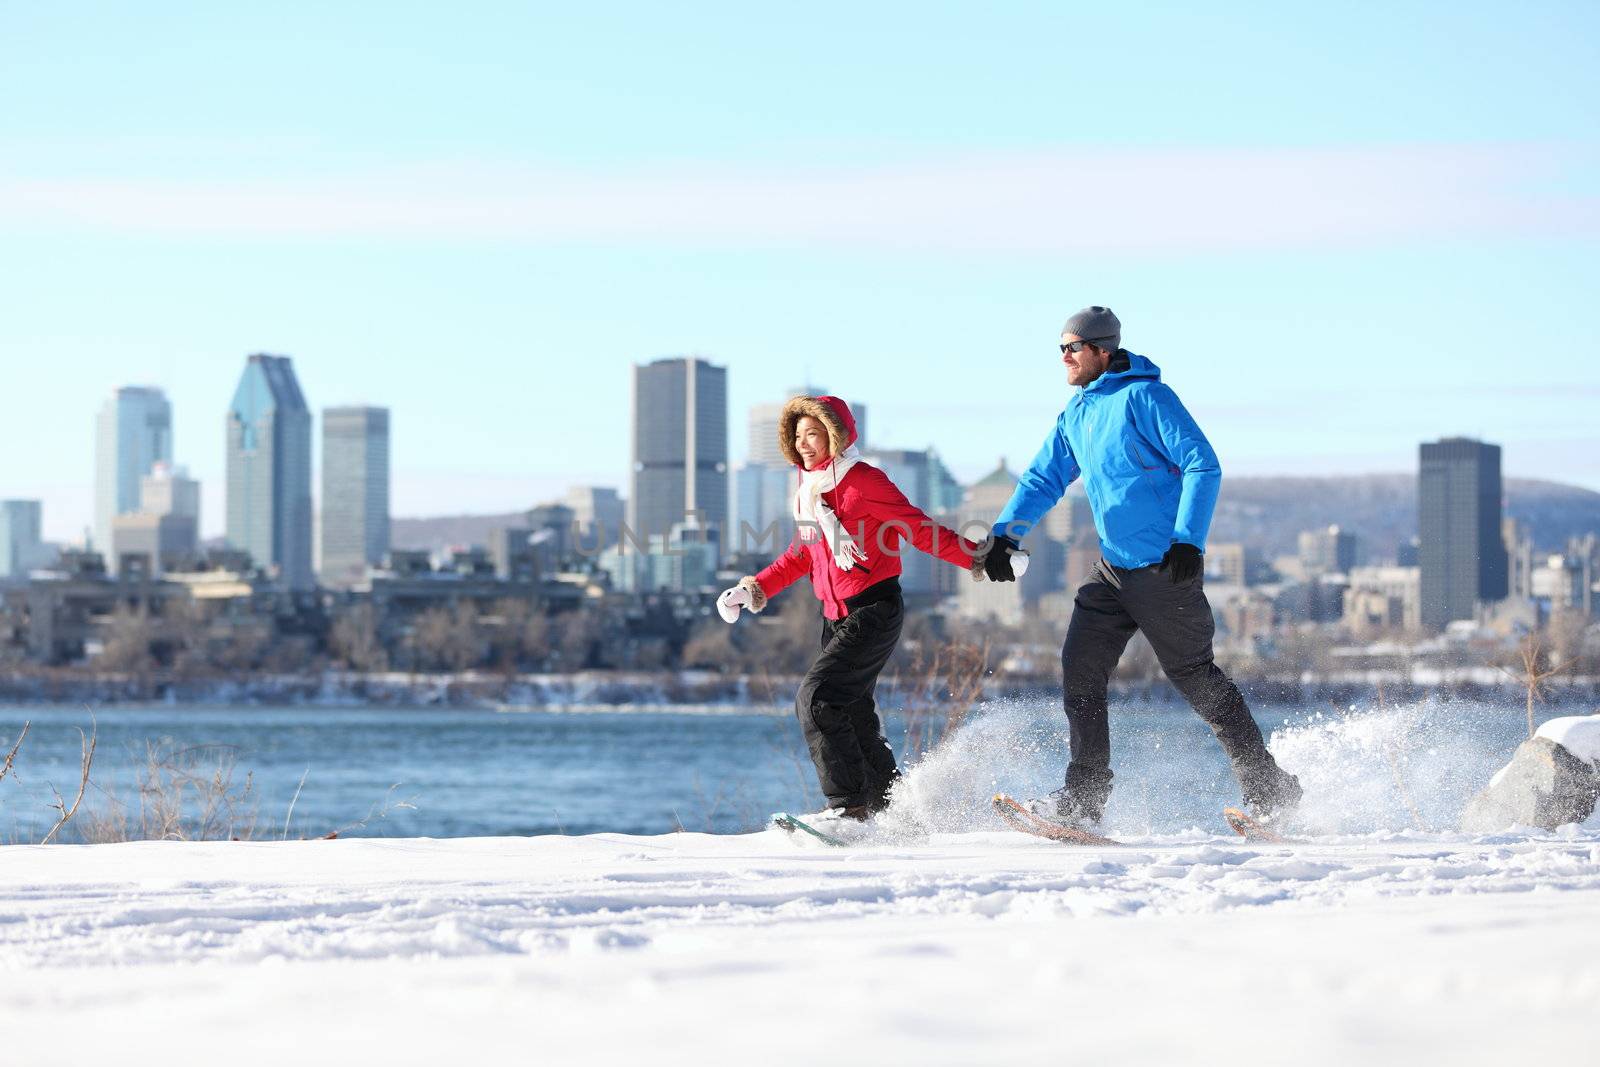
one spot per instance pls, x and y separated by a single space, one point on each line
11 756
60 805
376 813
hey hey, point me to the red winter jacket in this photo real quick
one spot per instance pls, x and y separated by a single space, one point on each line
869 506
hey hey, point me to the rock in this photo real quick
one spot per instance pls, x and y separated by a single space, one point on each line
1544 785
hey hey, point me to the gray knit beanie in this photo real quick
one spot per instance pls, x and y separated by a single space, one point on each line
1096 324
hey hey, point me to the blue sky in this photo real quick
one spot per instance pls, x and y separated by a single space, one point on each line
1338 231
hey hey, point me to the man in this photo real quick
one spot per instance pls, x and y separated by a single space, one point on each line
1152 479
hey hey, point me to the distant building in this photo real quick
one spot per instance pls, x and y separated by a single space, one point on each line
763 516
1228 563
355 493
1462 554
1519 559
680 449
1585 551
1007 602
132 434
598 514
147 545
1247 615
168 490
1558 583
20 545
1383 598
536 548
269 470
1329 551
1408 553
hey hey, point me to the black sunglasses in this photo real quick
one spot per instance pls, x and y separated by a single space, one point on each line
1077 346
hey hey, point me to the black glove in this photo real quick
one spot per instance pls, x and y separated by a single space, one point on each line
1183 562
997 564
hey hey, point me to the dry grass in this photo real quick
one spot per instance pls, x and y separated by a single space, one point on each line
182 793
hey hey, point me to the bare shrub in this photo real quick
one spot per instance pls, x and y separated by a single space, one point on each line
1532 668
947 681
183 793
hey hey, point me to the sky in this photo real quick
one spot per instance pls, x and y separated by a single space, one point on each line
1339 231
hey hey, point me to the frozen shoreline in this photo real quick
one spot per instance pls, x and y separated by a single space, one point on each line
943 948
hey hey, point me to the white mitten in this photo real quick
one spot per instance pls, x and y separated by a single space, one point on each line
1019 563
731 600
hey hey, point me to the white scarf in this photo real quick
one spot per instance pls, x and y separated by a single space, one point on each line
809 507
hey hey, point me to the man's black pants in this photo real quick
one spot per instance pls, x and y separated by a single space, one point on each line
835 705
1176 620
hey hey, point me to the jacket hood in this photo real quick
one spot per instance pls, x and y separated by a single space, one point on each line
828 410
1138 367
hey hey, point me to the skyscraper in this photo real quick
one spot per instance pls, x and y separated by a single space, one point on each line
19 537
680 448
1462 554
355 492
269 470
132 434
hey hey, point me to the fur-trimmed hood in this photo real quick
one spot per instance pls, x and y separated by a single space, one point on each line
828 410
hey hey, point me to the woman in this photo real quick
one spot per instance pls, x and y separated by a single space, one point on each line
851 521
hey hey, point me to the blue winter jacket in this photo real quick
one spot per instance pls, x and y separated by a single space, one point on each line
1150 474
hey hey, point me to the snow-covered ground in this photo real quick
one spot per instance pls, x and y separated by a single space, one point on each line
937 938
984 947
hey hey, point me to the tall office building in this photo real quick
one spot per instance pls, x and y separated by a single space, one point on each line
680 448
269 470
1462 554
133 433
20 545
355 492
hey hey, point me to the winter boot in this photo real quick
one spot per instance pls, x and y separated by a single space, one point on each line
1272 796
1067 808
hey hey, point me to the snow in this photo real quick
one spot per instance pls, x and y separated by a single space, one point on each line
983 946
1578 734
936 938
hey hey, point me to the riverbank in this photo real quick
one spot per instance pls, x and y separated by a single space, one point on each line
675 690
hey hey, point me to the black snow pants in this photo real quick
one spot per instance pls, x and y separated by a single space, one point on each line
1176 620
835 705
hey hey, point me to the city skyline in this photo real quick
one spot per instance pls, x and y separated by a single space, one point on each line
215 492
1389 264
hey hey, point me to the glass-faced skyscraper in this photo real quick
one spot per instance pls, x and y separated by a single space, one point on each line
132 434
680 447
269 470
355 492
1462 553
